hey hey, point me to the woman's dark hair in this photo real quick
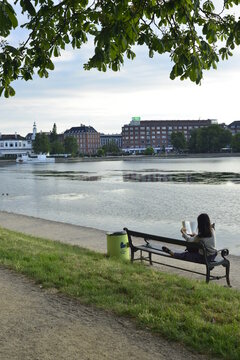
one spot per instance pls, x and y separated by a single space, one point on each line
204 226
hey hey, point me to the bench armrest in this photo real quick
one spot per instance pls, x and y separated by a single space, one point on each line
224 252
147 241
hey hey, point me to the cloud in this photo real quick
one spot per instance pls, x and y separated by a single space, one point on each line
66 55
108 107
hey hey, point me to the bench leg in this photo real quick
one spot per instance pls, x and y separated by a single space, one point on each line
228 273
150 258
208 275
132 255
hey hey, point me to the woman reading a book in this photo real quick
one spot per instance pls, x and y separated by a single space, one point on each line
205 235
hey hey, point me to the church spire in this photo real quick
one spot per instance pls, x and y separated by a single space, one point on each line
34 131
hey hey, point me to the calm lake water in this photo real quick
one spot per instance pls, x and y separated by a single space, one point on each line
152 195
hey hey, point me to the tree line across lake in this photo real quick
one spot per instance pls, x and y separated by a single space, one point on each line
51 144
209 139
213 138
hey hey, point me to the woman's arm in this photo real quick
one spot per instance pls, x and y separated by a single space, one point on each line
187 237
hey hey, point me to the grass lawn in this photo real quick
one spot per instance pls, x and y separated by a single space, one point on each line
204 317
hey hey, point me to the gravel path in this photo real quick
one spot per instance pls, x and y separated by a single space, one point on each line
41 324
38 324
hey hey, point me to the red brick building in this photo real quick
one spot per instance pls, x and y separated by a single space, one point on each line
88 139
139 135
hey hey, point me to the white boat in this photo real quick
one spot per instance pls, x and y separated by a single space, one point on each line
32 159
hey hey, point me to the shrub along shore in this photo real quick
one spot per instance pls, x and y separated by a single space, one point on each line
206 318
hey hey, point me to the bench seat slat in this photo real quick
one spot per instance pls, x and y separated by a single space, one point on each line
158 251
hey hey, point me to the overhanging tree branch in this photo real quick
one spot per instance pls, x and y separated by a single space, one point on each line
191 31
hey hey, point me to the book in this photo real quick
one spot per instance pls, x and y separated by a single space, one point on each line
190 226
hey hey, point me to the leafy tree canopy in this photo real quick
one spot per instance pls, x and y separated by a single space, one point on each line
236 142
100 152
209 139
111 148
56 147
195 33
70 145
53 134
41 144
149 151
178 141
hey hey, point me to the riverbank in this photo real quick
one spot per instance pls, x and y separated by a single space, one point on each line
136 157
95 240
147 157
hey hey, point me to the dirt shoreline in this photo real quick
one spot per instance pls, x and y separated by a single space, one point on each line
43 324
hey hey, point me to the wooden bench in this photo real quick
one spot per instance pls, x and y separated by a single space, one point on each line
152 244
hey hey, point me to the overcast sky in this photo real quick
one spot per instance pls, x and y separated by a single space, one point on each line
107 101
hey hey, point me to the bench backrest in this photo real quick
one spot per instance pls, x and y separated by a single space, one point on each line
149 237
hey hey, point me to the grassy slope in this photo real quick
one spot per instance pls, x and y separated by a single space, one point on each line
204 317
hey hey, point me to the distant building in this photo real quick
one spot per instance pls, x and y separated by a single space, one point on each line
106 139
234 127
88 139
60 138
14 145
32 136
140 134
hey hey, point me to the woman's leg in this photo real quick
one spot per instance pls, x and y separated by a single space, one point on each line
189 256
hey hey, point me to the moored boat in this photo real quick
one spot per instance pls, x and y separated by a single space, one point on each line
32 159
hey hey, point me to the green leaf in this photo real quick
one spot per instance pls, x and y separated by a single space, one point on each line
40 73
11 15
151 53
26 4
172 74
50 65
6 92
114 67
12 49
11 91
124 43
56 51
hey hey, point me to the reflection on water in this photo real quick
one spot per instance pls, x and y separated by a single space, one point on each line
186 177
69 175
148 175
